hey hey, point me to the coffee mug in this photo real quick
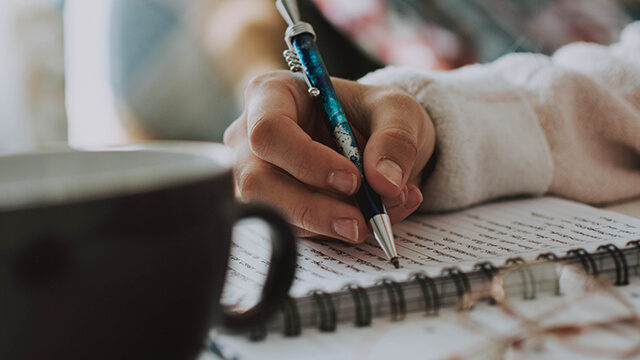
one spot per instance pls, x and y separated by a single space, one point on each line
122 253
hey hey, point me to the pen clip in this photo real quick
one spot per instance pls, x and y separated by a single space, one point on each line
289 11
292 58
295 65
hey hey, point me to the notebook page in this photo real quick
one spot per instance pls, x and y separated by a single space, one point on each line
428 243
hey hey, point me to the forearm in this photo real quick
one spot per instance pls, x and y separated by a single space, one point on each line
530 124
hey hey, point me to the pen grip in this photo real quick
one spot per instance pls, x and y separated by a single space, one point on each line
335 119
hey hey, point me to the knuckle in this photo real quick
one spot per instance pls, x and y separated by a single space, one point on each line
260 134
257 82
306 166
399 99
394 96
267 80
405 141
302 214
249 183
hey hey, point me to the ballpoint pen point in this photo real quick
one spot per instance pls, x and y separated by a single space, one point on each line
394 261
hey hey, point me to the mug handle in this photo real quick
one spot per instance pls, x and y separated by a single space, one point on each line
281 268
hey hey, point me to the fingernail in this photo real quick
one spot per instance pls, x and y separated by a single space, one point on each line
347 228
343 181
390 170
414 198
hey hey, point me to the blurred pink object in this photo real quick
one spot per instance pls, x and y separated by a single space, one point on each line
399 34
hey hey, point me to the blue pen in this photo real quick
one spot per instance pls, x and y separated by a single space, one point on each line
303 55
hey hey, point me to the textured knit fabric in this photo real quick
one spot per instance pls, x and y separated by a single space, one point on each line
567 125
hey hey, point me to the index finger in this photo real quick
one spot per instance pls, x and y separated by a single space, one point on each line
285 128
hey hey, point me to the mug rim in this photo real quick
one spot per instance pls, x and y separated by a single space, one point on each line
202 160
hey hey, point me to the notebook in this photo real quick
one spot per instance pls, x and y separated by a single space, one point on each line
340 287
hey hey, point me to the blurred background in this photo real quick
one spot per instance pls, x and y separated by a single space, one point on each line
105 72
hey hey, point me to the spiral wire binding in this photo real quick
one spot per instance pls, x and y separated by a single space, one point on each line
291 315
528 280
361 303
326 311
586 259
397 302
622 268
547 256
487 268
460 280
529 283
429 293
514 261
636 244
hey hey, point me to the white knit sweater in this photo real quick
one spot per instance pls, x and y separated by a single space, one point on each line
567 125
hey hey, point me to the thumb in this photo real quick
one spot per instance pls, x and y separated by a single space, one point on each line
401 142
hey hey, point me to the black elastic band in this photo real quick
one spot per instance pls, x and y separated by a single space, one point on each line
291 315
622 269
326 311
429 293
586 259
460 279
397 302
547 256
362 304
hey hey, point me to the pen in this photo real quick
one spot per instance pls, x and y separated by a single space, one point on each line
303 55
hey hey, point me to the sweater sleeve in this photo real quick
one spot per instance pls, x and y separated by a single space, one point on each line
529 124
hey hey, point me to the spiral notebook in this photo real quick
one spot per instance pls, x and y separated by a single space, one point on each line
443 256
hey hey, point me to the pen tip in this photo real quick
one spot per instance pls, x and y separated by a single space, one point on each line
395 262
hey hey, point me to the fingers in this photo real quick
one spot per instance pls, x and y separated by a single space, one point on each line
278 162
283 157
398 209
400 141
311 211
404 204
280 116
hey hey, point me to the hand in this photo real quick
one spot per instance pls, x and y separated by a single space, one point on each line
285 156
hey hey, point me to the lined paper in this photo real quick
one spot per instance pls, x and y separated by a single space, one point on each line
493 232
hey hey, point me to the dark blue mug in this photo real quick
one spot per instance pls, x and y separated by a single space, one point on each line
122 253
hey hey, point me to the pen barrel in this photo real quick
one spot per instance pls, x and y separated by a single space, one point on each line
369 201
335 119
